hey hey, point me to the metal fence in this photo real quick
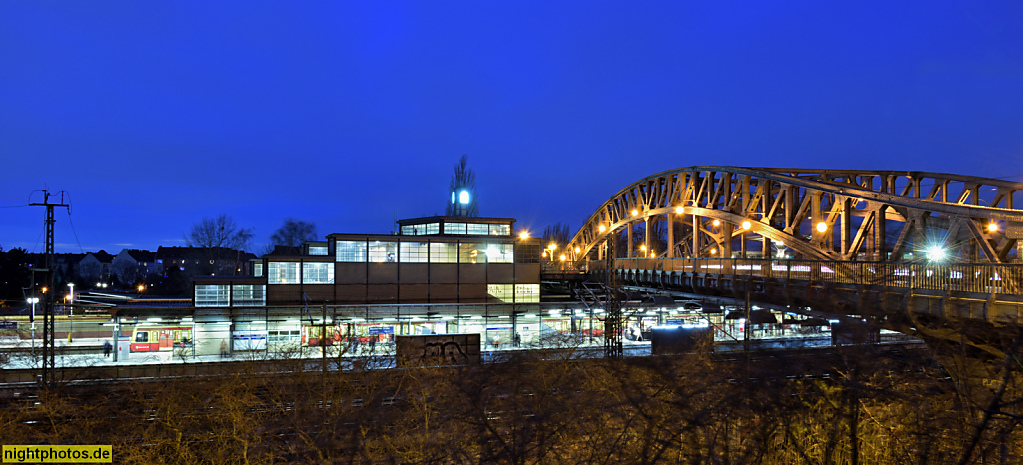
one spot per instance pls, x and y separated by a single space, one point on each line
955 277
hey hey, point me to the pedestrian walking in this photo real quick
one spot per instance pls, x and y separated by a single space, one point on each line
107 348
223 349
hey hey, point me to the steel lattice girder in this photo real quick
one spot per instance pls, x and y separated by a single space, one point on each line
856 208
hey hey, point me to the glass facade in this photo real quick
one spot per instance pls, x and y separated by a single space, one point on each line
317 250
414 252
282 273
381 252
248 294
470 252
454 228
477 229
527 293
437 252
351 251
212 295
420 229
318 273
470 229
500 253
527 253
500 293
443 252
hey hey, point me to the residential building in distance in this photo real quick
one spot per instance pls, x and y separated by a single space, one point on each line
133 265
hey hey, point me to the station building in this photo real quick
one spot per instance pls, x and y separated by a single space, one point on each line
436 275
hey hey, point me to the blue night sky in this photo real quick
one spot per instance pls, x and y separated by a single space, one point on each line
153 115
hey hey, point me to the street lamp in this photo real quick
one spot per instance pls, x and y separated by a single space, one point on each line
33 300
71 307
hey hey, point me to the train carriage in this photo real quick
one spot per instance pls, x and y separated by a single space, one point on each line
160 338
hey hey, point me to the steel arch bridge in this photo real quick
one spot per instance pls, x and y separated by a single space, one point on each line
852 241
832 215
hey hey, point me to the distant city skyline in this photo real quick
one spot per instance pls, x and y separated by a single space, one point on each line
353 115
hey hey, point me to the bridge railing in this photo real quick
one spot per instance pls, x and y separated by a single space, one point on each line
956 277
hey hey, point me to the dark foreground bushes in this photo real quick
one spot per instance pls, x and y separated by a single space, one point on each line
861 408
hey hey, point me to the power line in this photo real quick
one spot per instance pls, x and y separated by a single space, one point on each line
73 224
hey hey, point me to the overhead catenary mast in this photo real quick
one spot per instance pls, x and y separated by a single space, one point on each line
612 306
48 376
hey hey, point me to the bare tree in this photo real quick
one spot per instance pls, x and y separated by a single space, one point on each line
128 273
464 179
221 231
293 233
558 234
223 242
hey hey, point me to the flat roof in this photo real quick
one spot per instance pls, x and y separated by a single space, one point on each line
456 219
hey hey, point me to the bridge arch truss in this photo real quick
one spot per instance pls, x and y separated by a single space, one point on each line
835 215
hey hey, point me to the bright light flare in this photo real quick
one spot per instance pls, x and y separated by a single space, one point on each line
992 227
524 235
746 224
822 226
679 210
601 228
635 212
935 254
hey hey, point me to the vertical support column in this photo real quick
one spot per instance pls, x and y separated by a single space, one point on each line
116 336
815 217
766 253
845 230
726 243
696 236
646 236
670 221
880 234
628 244
790 208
